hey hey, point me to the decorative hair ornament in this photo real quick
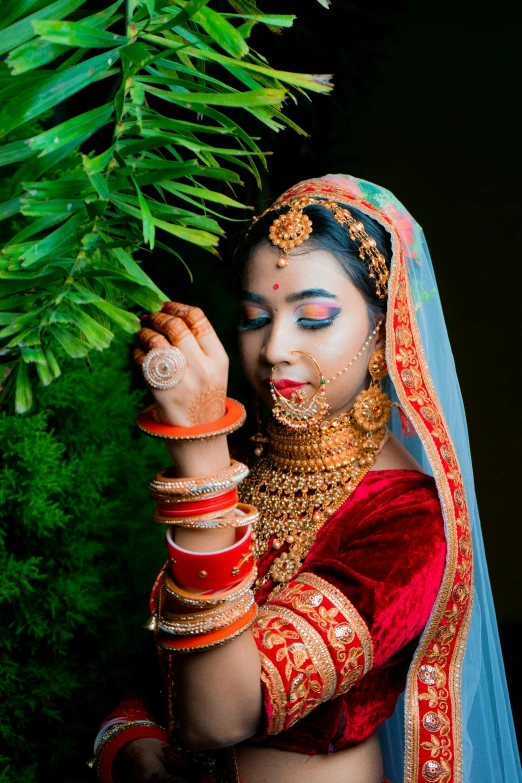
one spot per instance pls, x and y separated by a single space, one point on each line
294 227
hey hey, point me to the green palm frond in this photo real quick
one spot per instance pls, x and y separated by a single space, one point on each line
170 77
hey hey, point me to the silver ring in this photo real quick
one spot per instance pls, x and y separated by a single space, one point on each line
164 368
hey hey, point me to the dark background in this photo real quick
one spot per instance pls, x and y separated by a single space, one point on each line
426 103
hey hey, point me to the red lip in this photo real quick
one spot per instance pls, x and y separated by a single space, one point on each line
285 386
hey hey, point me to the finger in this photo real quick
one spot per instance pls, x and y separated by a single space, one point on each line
149 339
178 334
139 356
198 324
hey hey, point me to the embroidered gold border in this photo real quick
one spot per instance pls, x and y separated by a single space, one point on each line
276 690
316 647
458 570
347 609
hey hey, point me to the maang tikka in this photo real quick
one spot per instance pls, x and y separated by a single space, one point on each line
293 227
300 412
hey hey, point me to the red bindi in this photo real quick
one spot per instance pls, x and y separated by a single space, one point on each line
276 286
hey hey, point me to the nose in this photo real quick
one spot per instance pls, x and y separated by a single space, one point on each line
278 345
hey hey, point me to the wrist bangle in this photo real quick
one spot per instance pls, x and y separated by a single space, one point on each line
233 419
205 600
245 515
116 737
219 570
184 509
165 484
207 620
208 641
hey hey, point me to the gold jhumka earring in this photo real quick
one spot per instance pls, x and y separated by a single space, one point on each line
372 407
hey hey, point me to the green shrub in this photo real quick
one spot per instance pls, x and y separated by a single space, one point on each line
78 552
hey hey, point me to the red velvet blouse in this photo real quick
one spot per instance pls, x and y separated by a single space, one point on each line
384 550
337 640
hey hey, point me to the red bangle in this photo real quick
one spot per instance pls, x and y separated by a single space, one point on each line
187 644
219 570
104 764
234 418
194 508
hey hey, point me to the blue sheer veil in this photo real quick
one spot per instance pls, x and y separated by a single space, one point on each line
479 745
489 750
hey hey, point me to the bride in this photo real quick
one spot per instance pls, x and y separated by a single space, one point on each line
324 613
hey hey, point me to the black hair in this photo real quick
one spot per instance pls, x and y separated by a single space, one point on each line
329 235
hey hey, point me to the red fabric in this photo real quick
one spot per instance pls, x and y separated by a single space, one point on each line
384 549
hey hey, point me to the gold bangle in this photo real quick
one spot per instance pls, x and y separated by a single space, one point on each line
205 486
196 600
213 521
220 618
207 612
211 645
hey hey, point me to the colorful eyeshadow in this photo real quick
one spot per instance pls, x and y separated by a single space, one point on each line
316 311
252 311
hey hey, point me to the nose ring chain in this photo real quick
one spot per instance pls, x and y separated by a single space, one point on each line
300 412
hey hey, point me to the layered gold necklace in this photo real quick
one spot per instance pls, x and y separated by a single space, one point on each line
305 477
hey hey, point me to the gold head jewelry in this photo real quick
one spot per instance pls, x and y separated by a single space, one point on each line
292 228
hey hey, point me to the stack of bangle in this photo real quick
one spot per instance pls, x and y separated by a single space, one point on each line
166 485
208 502
203 599
187 620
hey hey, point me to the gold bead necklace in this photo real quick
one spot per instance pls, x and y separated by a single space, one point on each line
305 477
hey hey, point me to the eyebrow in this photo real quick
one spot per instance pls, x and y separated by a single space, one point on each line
251 297
308 293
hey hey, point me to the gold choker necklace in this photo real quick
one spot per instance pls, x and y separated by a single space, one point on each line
305 477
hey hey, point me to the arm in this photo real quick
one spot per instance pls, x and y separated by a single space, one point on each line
218 692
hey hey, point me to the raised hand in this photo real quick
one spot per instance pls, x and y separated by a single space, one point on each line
199 397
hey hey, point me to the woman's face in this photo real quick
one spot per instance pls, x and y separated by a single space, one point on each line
309 306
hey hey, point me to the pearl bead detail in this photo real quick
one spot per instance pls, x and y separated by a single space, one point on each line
357 355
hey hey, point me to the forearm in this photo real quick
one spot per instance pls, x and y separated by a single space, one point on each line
218 692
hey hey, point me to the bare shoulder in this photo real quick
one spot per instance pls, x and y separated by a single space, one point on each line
394 456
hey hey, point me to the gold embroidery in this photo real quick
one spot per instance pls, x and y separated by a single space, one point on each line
304 692
347 609
272 679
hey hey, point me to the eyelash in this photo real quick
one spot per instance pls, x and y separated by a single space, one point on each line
258 323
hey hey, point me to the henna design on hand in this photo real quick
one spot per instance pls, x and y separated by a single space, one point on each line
175 328
208 406
194 317
150 339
